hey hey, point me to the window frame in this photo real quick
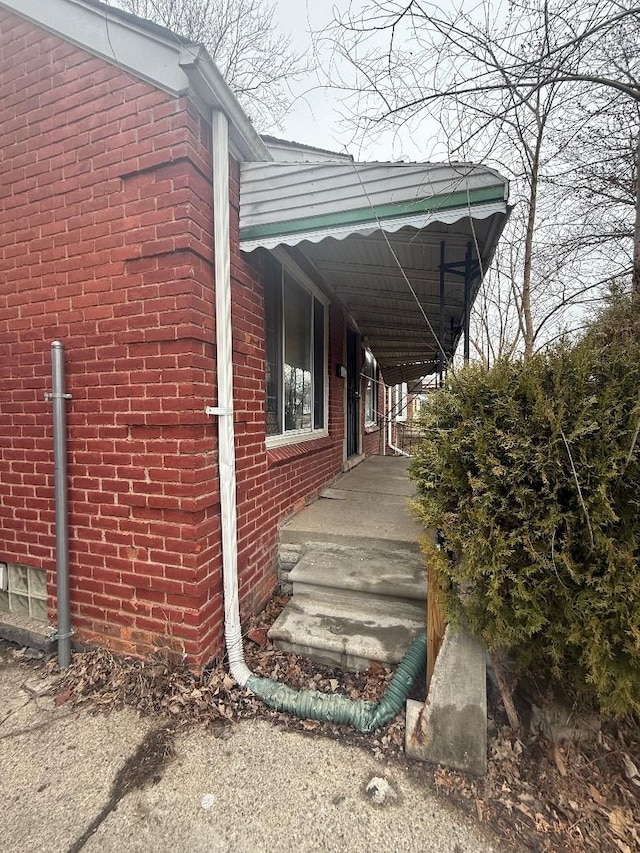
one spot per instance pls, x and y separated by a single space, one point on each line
401 401
285 265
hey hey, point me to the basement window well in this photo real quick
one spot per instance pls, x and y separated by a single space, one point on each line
24 591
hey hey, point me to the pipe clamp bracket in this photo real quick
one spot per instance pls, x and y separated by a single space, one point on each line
218 410
57 636
49 395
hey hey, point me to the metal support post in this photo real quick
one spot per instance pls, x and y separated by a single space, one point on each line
441 364
467 300
59 398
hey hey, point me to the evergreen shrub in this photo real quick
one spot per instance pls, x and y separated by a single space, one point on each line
531 470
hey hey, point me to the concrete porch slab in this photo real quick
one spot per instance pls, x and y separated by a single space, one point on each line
357 575
382 475
371 509
353 495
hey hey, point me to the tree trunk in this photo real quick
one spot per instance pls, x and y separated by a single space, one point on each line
505 692
527 318
636 230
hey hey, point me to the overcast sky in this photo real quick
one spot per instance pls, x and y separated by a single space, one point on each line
317 113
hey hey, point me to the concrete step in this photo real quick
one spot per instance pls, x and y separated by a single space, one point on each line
333 629
364 573
333 494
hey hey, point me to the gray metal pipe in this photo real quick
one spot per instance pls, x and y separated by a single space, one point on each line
59 397
467 301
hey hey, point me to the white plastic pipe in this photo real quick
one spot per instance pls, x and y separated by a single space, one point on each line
224 364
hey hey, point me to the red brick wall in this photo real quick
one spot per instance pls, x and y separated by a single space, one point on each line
105 244
105 226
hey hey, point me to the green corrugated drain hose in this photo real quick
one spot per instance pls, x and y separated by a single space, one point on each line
335 708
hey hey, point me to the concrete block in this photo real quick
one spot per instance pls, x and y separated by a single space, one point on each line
451 727
288 555
24 631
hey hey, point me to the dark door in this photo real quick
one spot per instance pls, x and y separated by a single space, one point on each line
353 391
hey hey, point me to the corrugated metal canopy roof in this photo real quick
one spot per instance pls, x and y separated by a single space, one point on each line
367 228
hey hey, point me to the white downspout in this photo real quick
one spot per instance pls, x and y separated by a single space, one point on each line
224 366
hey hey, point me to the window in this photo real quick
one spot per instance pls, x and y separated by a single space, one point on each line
371 389
295 357
25 593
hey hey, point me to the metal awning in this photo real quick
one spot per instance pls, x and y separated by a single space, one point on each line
394 241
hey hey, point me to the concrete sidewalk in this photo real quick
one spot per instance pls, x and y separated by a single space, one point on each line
367 506
64 773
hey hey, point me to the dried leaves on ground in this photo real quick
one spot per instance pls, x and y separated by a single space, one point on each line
538 795
102 681
550 797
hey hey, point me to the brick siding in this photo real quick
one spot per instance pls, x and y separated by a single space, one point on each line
105 224
105 244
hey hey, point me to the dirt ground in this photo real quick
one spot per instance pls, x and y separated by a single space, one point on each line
537 795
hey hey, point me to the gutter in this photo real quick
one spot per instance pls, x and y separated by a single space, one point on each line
208 84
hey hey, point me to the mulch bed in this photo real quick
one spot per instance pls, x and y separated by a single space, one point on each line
537 795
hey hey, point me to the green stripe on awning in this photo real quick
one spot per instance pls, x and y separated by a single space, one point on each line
381 212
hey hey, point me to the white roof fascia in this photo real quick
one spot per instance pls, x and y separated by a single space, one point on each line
284 151
163 61
417 221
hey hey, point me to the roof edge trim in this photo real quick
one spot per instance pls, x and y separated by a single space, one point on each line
340 228
380 213
206 80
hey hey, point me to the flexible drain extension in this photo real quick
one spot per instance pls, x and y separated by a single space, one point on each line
335 708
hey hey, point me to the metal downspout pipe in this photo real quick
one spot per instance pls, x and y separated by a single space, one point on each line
59 397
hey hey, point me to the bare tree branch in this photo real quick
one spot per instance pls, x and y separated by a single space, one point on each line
241 37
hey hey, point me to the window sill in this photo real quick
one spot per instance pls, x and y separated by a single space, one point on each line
282 453
288 438
373 427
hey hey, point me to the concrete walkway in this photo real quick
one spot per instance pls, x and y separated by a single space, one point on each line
67 783
358 579
367 504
